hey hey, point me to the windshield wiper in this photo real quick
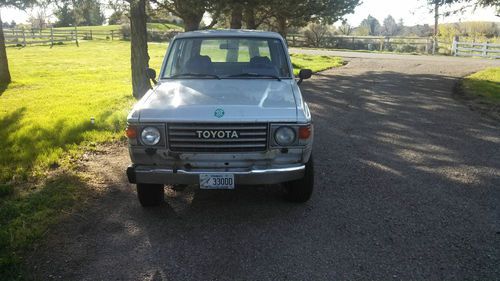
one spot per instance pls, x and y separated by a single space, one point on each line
252 74
194 75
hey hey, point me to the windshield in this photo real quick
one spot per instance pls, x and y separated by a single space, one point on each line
227 58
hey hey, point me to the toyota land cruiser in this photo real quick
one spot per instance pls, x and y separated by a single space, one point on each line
226 110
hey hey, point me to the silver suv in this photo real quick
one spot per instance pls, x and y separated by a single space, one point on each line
226 111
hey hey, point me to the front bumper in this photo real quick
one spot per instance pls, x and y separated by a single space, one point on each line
158 175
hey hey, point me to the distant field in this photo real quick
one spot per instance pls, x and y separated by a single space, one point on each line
156 26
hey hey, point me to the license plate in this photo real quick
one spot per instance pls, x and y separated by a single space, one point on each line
217 181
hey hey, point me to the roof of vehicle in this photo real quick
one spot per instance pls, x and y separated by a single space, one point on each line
229 33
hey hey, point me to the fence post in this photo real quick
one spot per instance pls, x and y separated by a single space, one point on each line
24 37
485 49
112 35
51 37
91 37
454 46
76 36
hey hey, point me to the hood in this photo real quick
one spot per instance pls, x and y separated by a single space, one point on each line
226 100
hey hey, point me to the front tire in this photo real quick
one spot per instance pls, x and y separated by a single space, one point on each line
300 191
150 194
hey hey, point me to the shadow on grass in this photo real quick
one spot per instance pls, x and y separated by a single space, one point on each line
24 219
22 146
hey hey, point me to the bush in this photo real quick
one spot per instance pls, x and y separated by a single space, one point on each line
125 29
316 34
406 48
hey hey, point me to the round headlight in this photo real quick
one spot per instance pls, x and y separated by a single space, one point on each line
284 136
150 136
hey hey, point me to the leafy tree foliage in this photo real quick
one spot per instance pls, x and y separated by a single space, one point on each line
371 25
65 15
82 12
390 27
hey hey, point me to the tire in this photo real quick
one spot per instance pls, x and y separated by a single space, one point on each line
150 194
300 191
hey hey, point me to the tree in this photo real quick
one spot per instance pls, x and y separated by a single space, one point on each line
190 11
139 56
390 27
89 12
79 12
5 77
345 28
65 15
298 13
118 14
315 33
371 24
438 4
39 16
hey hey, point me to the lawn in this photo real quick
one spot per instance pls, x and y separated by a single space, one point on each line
315 63
155 26
47 109
45 118
484 85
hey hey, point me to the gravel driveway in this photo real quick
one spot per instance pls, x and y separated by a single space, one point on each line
407 187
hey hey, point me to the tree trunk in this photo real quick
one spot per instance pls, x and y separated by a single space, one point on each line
4 64
250 18
139 48
236 16
282 28
192 22
436 28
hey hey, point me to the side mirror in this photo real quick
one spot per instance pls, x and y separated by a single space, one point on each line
151 73
304 74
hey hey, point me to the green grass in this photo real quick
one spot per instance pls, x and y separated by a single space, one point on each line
155 26
45 120
47 109
315 63
484 85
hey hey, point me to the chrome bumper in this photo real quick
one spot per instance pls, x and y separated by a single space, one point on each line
158 175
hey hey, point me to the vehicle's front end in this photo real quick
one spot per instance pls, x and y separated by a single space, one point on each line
221 129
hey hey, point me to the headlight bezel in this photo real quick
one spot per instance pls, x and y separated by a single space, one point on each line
139 142
150 131
298 141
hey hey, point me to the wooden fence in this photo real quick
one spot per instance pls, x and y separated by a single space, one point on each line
471 49
371 43
52 36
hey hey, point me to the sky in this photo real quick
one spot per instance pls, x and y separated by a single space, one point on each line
411 11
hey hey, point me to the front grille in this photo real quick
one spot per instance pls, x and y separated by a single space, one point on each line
217 137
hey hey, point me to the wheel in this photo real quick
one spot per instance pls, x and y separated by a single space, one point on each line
300 190
150 194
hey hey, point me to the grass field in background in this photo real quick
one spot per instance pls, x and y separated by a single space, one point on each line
45 117
484 85
156 26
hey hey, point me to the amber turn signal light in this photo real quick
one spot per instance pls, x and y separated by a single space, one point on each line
131 132
305 132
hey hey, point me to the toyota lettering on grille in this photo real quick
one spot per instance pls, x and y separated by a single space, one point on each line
217 134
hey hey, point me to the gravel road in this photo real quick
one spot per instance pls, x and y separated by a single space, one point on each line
407 188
